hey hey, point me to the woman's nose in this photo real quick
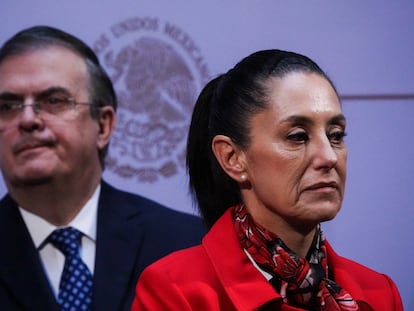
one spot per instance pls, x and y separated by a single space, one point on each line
325 155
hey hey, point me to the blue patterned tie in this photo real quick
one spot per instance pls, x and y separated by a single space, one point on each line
75 289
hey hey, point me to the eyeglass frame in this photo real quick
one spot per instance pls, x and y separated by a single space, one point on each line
17 107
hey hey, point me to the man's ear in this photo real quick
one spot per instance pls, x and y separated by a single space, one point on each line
106 123
230 157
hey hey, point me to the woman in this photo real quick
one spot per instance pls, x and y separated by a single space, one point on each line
267 164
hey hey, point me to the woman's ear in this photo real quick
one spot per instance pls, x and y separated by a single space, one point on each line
230 157
106 124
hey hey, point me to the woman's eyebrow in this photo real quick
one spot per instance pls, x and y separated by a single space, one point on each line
338 119
305 120
297 119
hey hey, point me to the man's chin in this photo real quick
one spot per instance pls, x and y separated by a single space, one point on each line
30 181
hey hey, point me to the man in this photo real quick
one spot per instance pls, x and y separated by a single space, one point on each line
57 114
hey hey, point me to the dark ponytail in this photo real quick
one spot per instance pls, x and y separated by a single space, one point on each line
210 186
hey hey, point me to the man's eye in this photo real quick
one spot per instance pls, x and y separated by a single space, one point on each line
299 137
7 106
56 100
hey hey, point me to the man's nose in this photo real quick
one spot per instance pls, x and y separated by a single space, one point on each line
29 116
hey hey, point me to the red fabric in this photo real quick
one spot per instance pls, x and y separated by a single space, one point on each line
218 275
303 281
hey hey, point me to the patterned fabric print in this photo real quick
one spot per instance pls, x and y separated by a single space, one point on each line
300 282
75 289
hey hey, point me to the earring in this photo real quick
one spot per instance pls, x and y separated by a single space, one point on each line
243 177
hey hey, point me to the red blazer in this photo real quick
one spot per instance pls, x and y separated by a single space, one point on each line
217 275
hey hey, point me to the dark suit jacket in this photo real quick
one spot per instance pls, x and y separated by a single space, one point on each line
132 233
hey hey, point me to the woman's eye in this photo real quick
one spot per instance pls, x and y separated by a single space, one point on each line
337 137
298 137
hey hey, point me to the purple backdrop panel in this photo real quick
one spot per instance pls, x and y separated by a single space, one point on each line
375 225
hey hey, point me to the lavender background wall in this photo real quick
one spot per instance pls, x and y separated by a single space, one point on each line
365 46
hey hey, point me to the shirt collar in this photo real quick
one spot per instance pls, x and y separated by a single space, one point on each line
85 221
267 275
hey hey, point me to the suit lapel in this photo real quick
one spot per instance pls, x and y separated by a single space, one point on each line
118 241
21 270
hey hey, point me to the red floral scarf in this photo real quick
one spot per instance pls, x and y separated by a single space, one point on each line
300 282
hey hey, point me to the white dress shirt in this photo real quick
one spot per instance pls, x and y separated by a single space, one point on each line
53 260
267 275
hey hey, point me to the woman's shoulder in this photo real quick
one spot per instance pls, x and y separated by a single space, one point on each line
356 274
364 283
180 258
182 266
351 266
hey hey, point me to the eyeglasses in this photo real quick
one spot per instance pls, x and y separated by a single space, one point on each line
53 105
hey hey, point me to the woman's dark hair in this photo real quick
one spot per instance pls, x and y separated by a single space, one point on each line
225 107
101 91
